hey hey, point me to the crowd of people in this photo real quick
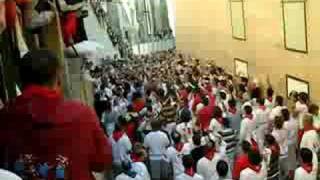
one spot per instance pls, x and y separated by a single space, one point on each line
160 116
170 117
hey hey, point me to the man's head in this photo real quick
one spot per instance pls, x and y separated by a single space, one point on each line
40 67
222 168
196 139
187 161
245 146
254 157
306 155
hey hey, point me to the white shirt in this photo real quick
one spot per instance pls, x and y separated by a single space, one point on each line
302 108
281 136
269 104
7 175
123 176
276 111
186 131
215 127
175 157
292 127
310 139
246 129
301 174
261 115
141 169
157 143
249 174
207 168
120 149
187 177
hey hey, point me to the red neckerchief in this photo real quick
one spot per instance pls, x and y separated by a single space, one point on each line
255 168
42 91
208 88
307 167
270 99
232 110
134 157
249 116
209 154
262 107
179 146
275 149
190 172
306 129
117 135
220 120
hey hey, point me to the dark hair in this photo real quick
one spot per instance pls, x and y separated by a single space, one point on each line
279 100
122 121
242 88
196 138
285 114
176 137
254 157
306 155
187 161
245 146
223 95
231 88
314 109
232 103
39 67
256 93
185 115
156 125
261 101
205 100
270 92
217 112
222 168
304 97
269 139
278 122
248 109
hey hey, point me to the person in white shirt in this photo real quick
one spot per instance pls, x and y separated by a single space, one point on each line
261 113
139 166
156 142
248 125
121 145
291 124
7 175
257 169
174 153
205 166
281 135
310 137
216 124
276 110
223 171
185 128
128 173
302 107
269 102
308 168
189 172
